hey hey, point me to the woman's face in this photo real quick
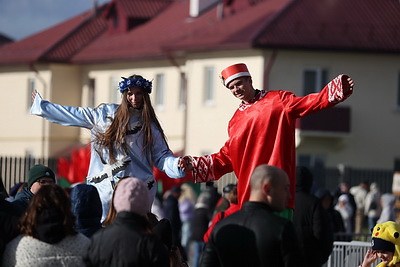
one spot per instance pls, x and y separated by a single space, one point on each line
385 256
135 97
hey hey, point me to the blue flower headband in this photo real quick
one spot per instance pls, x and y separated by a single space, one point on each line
132 82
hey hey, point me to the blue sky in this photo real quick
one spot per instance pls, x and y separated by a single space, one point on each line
21 18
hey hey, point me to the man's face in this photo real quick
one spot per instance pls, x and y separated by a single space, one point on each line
39 183
242 88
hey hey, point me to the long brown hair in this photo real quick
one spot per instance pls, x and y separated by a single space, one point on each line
114 136
50 196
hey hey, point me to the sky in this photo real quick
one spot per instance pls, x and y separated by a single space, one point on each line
22 18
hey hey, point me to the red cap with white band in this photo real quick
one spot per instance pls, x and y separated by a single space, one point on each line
234 71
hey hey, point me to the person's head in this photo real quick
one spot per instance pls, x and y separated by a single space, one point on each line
270 184
176 191
304 179
238 80
386 242
325 196
343 200
135 89
344 187
49 209
230 193
132 195
87 208
39 176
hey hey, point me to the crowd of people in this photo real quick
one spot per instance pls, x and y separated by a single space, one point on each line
270 217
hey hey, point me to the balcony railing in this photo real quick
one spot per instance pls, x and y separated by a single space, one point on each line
334 120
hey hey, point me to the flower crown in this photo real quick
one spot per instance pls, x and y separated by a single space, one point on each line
132 82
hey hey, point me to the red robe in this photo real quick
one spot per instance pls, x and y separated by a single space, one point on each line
263 132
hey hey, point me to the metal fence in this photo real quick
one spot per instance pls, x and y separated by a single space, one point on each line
15 169
348 254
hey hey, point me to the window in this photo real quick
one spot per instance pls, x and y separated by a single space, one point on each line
31 88
91 93
209 90
160 90
314 80
115 95
398 90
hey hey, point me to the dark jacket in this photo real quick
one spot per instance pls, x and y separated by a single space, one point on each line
86 206
171 209
22 200
8 223
253 236
125 243
200 222
311 220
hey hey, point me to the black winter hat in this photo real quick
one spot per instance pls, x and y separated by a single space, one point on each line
39 171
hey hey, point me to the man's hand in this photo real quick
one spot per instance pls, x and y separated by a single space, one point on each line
348 85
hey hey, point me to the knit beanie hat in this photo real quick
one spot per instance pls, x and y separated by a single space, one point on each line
386 237
39 171
132 195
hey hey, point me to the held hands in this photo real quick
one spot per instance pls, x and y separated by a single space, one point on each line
185 163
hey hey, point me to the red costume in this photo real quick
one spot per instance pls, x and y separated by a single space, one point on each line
263 132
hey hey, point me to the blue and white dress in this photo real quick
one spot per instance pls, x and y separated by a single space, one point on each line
133 162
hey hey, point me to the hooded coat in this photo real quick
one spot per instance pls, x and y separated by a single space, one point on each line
86 206
311 220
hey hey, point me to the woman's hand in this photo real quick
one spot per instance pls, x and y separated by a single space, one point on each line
34 93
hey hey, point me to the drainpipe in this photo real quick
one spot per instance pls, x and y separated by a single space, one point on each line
40 78
185 95
268 68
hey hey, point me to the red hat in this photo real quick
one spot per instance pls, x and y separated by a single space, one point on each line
234 71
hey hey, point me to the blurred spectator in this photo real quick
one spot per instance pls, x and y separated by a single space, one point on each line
87 208
47 235
212 196
171 210
313 226
346 211
344 189
16 189
200 221
228 192
388 213
360 193
336 218
373 207
129 240
187 200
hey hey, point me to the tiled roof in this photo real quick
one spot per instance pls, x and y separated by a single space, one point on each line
367 25
48 44
354 25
